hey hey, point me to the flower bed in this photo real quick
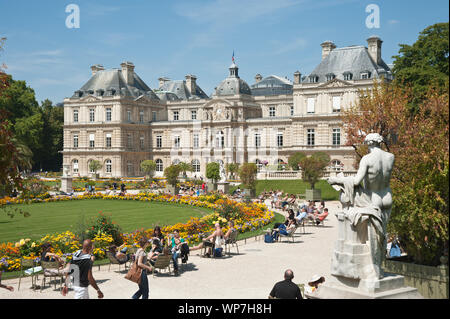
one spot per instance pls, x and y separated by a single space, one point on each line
247 217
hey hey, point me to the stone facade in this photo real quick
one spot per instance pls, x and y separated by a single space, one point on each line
117 119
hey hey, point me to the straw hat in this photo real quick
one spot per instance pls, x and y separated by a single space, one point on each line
316 278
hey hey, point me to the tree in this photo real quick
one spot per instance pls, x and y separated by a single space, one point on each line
247 174
313 167
424 63
148 167
94 166
185 167
232 169
171 173
419 182
213 171
294 160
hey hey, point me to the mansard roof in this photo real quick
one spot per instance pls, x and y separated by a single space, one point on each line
179 88
112 83
272 85
351 59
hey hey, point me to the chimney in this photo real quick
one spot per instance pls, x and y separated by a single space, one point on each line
258 77
190 83
96 67
127 72
297 77
162 80
374 44
327 47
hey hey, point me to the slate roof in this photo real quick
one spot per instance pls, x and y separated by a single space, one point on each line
353 59
179 88
233 84
272 85
112 83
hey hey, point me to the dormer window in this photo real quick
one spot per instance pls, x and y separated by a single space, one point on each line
330 76
348 76
365 75
313 78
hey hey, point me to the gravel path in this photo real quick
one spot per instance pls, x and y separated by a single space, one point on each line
251 274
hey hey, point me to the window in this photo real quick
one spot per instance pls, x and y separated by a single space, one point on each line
365 75
129 140
279 139
220 140
292 110
130 168
108 114
310 105
313 79
194 115
141 142
129 116
310 137
176 115
257 140
108 166
330 76
336 136
75 116
158 141
196 141
272 111
75 141
91 115
336 103
108 140
141 116
154 116
92 140
177 141
336 166
196 166
159 165
75 166
348 76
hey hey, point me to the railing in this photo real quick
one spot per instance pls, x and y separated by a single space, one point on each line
297 174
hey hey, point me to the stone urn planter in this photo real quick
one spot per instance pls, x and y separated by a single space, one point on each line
212 186
313 194
250 192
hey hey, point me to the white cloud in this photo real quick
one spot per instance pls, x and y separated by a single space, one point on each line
393 21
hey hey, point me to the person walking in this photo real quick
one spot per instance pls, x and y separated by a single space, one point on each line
141 260
80 267
286 289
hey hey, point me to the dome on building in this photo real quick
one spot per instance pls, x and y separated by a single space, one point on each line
233 84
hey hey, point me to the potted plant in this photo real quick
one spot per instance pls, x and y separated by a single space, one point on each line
313 168
94 166
171 173
247 174
213 173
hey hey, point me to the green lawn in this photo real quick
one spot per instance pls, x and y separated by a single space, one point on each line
294 187
54 217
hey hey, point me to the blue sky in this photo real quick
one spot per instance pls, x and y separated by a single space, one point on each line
179 37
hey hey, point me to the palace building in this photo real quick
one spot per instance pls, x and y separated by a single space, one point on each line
117 119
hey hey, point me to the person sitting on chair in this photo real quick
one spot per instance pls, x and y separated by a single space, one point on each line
319 217
210 241
283 229
179 247
154 251
48 256
301 215
120 255
229 232
157 234
314 283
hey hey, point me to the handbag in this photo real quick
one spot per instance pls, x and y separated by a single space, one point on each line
135 272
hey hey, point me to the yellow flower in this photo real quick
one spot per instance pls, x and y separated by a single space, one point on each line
33 245
22 242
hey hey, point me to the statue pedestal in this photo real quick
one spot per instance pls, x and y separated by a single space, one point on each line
354 275
223 186
389 287
66 184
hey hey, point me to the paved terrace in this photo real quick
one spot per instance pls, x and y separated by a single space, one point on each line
251 274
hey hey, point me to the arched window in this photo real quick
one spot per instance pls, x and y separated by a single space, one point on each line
108 166
336 165
75 166
159 165
89 166
196 165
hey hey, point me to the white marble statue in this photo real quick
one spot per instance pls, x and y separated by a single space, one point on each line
223 174
367 200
